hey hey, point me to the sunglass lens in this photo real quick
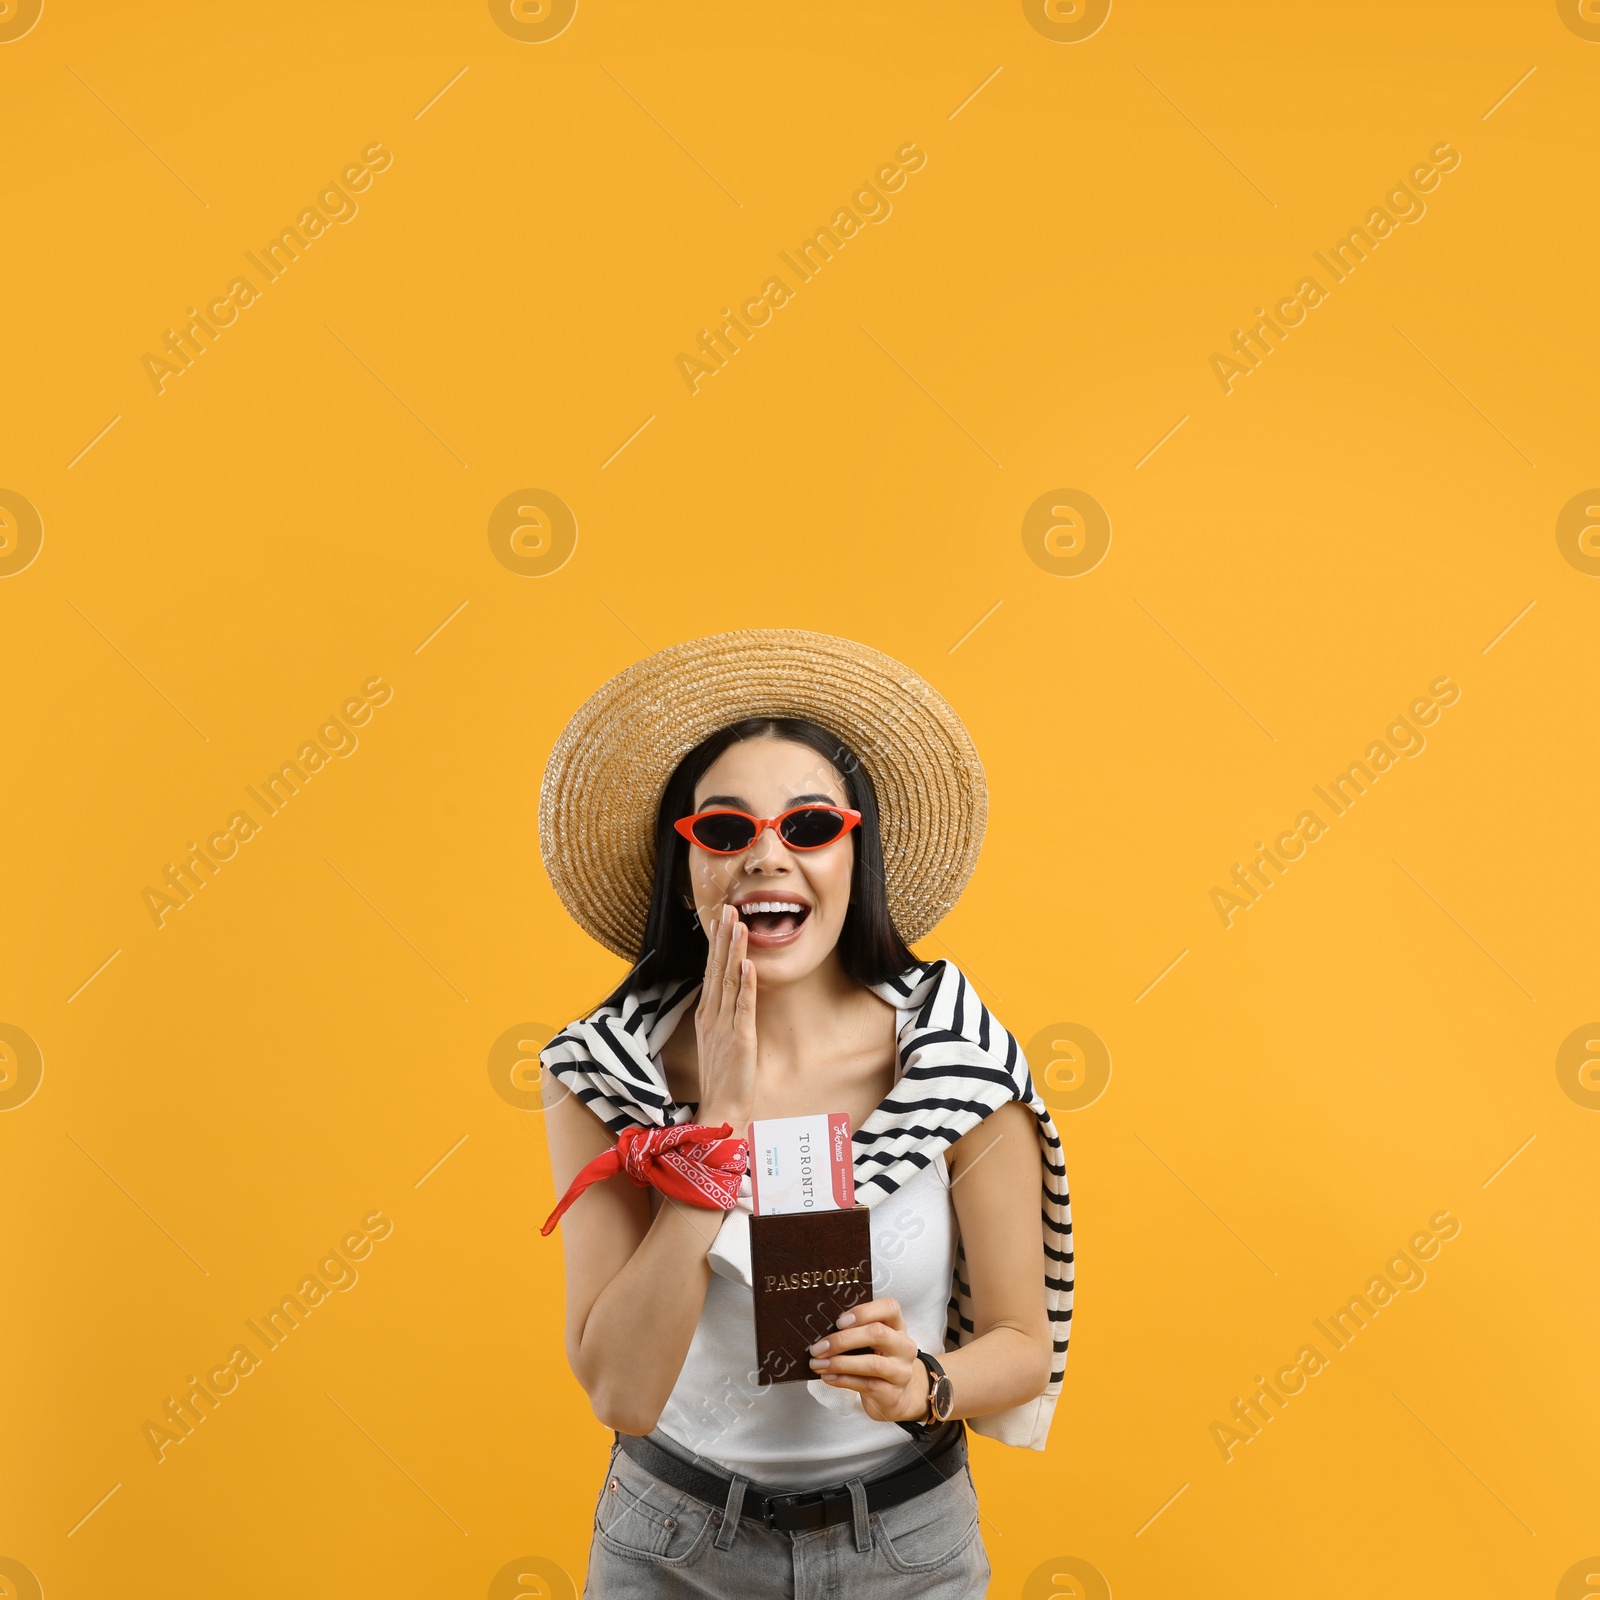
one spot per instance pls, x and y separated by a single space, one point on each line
812 828
724 831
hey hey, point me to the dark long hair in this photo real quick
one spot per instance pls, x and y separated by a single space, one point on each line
870 947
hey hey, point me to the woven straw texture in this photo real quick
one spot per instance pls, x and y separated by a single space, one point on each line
604 779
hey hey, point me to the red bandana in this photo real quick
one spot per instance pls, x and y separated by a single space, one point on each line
688 1161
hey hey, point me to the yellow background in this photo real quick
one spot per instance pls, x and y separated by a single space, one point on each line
300 511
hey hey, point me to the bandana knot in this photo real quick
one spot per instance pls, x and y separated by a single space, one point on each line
688 1161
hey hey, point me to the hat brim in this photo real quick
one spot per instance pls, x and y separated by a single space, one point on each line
604 780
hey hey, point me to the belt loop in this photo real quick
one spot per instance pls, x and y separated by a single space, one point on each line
858 1505
731 1513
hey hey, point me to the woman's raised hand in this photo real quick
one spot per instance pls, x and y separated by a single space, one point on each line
725 1027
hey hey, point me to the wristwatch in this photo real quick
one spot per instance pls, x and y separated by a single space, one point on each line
941 1399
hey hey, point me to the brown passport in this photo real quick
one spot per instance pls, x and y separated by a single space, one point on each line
805 1269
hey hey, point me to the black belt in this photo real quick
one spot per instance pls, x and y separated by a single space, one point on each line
808 1508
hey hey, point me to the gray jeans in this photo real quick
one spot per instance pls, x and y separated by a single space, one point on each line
653 1542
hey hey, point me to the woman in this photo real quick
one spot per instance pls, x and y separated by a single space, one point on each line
713 814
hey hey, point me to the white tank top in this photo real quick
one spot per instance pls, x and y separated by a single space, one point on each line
804 1435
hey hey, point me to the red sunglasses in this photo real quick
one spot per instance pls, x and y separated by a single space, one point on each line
728 833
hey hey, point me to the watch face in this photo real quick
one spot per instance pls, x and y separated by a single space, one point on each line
943 1397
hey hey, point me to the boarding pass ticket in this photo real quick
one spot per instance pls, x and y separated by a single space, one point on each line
802 1164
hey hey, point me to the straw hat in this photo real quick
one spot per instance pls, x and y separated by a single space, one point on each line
604 780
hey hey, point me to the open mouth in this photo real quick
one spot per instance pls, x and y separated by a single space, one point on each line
773 921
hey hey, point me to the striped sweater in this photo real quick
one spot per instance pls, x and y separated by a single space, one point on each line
957 1065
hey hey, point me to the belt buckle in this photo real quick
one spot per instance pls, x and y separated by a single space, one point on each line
774 1503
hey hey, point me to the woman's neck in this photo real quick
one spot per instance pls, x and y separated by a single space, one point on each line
823 1013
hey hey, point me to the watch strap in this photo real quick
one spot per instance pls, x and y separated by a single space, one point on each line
936 1376
923 1428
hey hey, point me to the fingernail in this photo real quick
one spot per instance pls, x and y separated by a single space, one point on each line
819 1365
820 1348
846 1318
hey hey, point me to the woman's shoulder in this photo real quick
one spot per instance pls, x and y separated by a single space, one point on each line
640 1040
945 1000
